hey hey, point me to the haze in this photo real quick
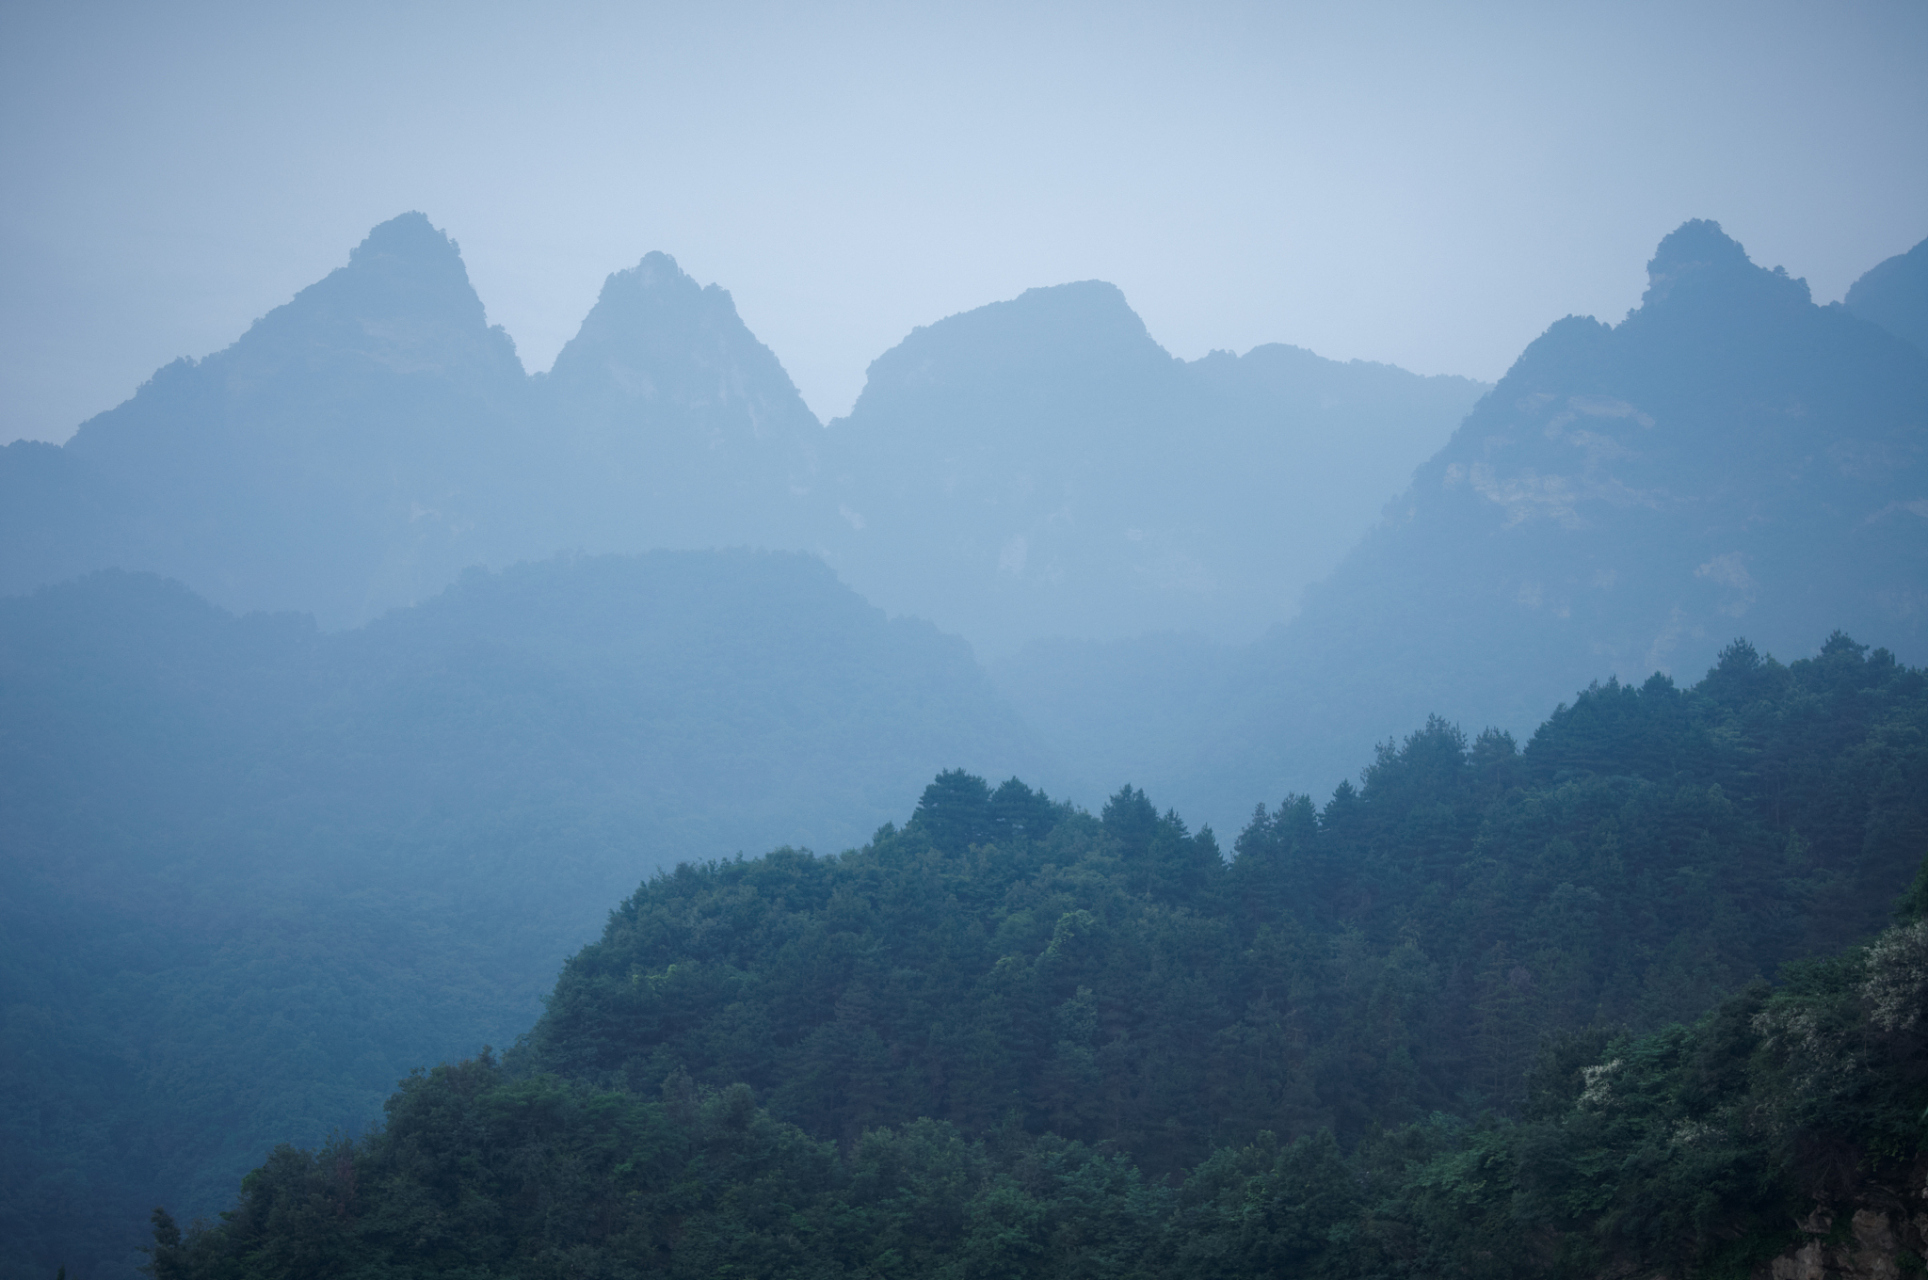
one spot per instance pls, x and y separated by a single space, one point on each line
1412 184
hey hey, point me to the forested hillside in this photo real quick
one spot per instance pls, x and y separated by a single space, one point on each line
251 873
1450 1022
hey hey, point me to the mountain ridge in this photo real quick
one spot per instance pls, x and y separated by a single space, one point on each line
361 444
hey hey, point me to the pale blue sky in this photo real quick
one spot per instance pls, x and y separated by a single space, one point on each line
1423 184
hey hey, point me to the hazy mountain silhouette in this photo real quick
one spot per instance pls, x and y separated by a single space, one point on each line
1894 294
1042 467
682 429
350 452
1729 459
361 445
253 872
1033 468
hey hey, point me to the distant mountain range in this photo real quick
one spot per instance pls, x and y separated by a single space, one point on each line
1031 468
1730 460
1042 467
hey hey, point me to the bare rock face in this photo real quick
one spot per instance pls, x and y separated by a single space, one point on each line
1878 1242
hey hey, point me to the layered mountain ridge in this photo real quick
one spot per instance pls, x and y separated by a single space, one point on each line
1058 473
1730 459
360 445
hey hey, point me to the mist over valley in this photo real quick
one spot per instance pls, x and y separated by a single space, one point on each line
1095 812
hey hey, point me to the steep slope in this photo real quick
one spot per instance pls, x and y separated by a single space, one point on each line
1041 467
682 429
1730 459
361 445
252 872
1894 294
1032 469
347 454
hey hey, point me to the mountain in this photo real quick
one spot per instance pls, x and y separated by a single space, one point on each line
682 429
1043 468
252 872
361 445
1728 459
1036 468
347 454
1894 294
1495 1012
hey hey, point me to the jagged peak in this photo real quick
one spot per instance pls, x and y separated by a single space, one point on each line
655 296
410 236
657 277
1698 242
657 270
1699 250
654 329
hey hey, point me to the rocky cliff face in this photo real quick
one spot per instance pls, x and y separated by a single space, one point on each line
1882 1237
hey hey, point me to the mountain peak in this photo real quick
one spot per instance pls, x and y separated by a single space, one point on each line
404 267
1698 242
1699 253
656 270
408 236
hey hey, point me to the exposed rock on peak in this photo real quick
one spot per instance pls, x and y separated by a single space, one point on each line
1699 259
408 237
656 336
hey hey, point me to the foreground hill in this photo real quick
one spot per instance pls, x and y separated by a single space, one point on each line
251 872
1401 1034
1042 467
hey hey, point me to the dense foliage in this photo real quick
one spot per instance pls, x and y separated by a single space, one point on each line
1692 1150
1444 1025
1113 979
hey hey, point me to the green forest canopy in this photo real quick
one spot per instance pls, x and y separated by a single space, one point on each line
1453 1022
